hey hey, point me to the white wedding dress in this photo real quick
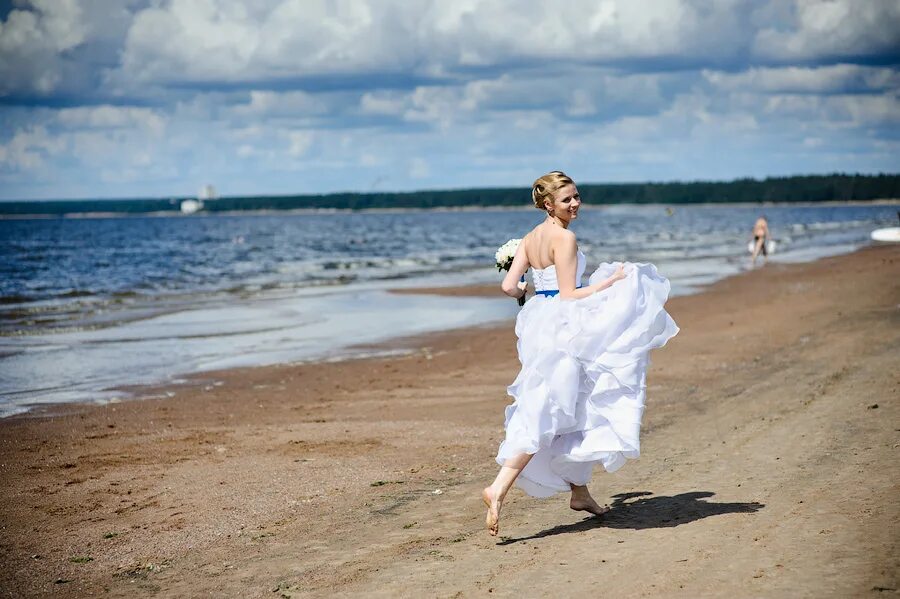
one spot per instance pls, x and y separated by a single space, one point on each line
580 393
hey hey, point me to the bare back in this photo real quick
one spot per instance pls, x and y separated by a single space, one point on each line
546 245
540 242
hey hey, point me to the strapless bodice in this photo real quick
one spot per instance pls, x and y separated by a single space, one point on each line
545 278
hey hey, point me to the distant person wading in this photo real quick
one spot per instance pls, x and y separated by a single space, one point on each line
760 239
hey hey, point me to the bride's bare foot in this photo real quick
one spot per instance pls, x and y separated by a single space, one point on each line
492 520
586 503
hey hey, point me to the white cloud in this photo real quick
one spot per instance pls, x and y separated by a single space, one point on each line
863 111
246 151
299 142
383 103
833 29
230 41
225 41
32 41
28 149
187 40
290 104
170 94
837 78
112 117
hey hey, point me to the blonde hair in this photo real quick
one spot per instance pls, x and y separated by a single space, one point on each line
542 189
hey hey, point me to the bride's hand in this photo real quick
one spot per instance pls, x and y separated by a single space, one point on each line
617 276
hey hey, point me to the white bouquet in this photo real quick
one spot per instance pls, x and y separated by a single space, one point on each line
506 253
504 257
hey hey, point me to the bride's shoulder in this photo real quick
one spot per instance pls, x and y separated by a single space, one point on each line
527 237
564 235
563 243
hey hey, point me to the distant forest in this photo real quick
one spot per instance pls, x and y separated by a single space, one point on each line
812 188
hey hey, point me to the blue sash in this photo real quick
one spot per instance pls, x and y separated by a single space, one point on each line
551 292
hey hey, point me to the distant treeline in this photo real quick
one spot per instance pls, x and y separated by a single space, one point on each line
812 188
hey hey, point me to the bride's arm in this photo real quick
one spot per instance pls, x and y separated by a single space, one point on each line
566 259
510 284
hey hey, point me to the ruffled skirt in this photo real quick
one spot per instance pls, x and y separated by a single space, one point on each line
580 393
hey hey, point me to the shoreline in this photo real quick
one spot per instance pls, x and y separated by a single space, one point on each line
767 468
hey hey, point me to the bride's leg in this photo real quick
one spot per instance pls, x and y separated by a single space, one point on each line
493 496
583 502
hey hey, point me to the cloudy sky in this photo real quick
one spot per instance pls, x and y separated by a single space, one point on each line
125 98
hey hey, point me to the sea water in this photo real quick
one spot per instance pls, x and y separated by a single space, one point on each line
90 306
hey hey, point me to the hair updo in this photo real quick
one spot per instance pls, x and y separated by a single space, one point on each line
542 189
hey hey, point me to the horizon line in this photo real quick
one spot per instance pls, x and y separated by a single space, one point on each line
447 189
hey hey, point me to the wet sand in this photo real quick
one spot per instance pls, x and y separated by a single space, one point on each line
769 468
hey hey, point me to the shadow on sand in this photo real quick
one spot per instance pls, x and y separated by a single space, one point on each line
637 511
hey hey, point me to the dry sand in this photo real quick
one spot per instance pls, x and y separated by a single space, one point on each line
769 468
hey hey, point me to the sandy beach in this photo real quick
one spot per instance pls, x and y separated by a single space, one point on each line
769 468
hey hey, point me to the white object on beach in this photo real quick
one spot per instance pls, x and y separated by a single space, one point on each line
770 246
888 234
580 393
207 192
191 206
